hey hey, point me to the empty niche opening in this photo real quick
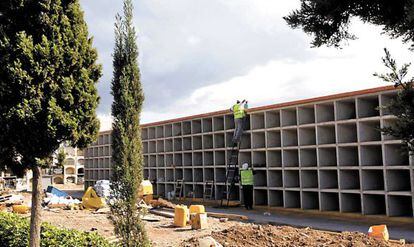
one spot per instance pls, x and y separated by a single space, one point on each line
178 174
309 179
176 129
220 158
348 156
326 134
169 145
291 179
188 175
229 122
306 115
160 175
371 155
349 180
345 109
208 158
389 123
207 125
290 158
196 126
219 141
398 180
160 146
372 180
260 197
198 159
400 206
310 200
350 203
368 107
387 99
144 134
168 130
275 178
273 139
369 131
218 123
153 174
169 175
219 192
289 137
325 113
153 161
289 117
188 191
178 159
229 139
259 158
187 128
197 142
260 178
207 141
169 160
146 161
259 140
272 119
235 193
308 157
292 199
145 146
146 174
160 161
188 159
161 190
328 179
245 142
198 191
245 157
178 144
169 188
152 146
274 158
220 175
329 201
160 131
276 198
151 133
327 157
258 121
347 133
374 204
307 136
187 143
208 174
395 155
198 175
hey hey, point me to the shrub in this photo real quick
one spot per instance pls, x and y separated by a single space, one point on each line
14 232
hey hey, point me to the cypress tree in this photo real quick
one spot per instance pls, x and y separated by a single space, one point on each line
48 75
127 155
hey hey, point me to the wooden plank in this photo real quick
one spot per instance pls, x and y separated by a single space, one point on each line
230 216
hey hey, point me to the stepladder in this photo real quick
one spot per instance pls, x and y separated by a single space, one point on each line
232 176
208 193
178 188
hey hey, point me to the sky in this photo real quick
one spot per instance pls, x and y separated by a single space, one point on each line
201 56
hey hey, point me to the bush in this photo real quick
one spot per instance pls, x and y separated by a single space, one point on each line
14 232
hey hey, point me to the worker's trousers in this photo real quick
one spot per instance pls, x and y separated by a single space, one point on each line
238 130
248 196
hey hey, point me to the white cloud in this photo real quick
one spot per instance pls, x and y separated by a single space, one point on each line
106 121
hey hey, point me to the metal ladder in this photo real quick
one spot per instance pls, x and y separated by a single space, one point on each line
208 190
178 190
232 175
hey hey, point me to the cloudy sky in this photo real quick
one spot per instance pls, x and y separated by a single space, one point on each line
200 56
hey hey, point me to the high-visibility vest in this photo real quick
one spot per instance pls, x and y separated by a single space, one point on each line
246 177
238 111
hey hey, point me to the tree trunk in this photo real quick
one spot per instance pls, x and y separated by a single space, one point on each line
35 219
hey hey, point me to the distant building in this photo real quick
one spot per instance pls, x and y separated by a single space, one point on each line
73 167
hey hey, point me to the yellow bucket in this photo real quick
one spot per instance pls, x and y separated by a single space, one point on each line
379 232
181 215
197 209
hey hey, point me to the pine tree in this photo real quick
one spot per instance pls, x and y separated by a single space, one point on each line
48 75
127 155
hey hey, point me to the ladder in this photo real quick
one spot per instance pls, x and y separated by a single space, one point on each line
178 188
232 175
208 190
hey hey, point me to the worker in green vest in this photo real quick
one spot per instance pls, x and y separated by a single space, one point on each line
239 113
246 180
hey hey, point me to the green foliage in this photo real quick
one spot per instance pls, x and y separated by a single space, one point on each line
14 232
61 156
401 106
48 73
126 135
329 20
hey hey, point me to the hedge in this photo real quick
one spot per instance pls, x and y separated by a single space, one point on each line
14 232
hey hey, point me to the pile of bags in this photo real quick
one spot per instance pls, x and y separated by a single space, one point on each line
103 188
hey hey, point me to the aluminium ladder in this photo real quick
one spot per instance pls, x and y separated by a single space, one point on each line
232 175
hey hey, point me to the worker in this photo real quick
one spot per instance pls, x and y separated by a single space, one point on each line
246 177
239 113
